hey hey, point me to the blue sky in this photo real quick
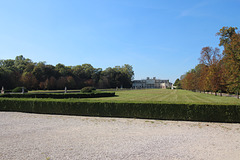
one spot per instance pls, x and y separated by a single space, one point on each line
158 38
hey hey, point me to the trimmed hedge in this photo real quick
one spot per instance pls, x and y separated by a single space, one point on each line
19 89
88 89
188 112
58 95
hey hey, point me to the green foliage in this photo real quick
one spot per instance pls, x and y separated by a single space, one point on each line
152 104
164 111
19 89
117 77
217 71
23 72
88 89
178 84
225 35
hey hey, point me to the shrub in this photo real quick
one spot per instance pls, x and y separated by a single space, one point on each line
59 95
7 91
188 112
88 89
19 89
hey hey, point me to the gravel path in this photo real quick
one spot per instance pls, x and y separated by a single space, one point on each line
43 137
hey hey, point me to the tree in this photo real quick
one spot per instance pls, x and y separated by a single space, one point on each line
189 80
22 71
21 63
213 78
61 83
177 83
8 78
232 63
9 63
96 76
39 72
118 76
230 40
71 84
127 75
203 80
223 76
29 80
50 83
63 70
226 34
103 82
210 58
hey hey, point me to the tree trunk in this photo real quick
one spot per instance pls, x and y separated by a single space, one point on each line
215 93
221 94
237 95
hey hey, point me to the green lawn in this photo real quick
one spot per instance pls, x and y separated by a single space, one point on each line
149 103
156 96
166 96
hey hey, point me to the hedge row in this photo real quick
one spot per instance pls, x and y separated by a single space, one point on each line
191 112
58 95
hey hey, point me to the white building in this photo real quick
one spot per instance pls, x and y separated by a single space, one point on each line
151 83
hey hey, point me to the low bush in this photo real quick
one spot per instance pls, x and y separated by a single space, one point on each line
192 112
88 89
19 89
59 95
7 91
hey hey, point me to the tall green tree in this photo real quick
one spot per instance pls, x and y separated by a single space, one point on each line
21 63
225 35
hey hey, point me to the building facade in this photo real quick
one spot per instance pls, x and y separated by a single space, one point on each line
151 83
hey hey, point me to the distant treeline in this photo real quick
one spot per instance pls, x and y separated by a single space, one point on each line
217 72
24 72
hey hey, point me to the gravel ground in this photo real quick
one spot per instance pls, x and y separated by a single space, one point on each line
50 137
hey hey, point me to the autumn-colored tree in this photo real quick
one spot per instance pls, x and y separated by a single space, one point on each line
213 78
232 63
46 84
41 85
189 80
61 83
29 80
218 72
50 83
230 40
70 82
20 71
203 81
88 82
210 58
222 75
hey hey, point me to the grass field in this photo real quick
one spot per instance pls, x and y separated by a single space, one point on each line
150 103
166 96
158 96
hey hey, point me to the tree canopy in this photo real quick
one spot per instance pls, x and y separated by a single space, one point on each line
217 72
39 75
